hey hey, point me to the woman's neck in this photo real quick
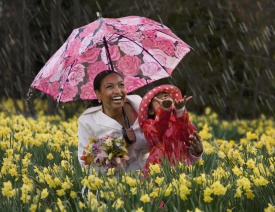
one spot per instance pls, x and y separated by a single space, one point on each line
116 114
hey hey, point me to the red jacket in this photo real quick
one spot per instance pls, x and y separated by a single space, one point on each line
167 136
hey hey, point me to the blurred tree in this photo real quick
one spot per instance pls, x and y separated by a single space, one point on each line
229 69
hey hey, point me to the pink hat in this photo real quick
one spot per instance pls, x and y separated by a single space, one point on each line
173 91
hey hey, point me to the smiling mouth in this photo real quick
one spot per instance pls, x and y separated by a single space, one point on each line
117 99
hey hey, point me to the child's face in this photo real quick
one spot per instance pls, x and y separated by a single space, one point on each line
154 105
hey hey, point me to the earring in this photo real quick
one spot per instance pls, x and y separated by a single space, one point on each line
99 101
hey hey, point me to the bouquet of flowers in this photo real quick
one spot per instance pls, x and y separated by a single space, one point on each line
109 152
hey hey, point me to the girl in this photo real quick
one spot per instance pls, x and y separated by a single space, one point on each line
167 128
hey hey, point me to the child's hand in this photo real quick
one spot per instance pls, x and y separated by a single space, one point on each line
180 103
196 146
165 103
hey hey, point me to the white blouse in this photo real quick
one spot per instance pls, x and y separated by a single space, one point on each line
94 123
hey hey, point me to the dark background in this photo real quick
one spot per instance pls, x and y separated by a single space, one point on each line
230 69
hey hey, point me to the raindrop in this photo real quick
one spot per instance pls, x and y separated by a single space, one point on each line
38 22
269 73
196 41
211 31
98 6
241 45
3 50
210 13
224 78
209 65
233 18
267 102
266 49
259 5
224 43
187 11
231 25
260 98
45 46
6 91
202 99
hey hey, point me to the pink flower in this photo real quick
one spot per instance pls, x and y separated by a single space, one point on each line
98 37
167 46
131 83
57 75
91 55
129 65
114 53
69 93
52 65
129 47
149 43
162 204
181 50
88 29
111 29
73 35
73 47
150 33
172 62
54 89
96 68
150 68
49 88
131 21
101 156
86 91
90 40
158 55
76 74
135 36
127 28
147 21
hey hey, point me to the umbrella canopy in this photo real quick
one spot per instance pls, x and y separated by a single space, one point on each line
140 49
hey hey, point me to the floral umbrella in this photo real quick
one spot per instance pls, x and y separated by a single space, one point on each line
140 49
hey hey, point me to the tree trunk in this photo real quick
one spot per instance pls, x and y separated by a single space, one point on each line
55 8
27 61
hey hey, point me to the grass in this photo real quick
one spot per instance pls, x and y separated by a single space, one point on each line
40 170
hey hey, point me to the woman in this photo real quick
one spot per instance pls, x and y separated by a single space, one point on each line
116 107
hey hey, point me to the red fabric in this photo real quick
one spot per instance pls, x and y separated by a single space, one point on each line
168 136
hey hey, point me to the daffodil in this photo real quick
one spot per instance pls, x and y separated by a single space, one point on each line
270 208
44 193
7 190
145 198
33 207
154 169
50 156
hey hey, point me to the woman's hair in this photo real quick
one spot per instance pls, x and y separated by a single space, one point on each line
99 77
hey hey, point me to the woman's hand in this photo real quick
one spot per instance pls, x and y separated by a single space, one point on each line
196 146
131 134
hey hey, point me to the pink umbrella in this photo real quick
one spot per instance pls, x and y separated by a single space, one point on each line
142 50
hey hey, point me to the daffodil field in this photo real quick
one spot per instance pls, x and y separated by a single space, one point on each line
40 169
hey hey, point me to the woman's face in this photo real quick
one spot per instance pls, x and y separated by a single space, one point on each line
112 92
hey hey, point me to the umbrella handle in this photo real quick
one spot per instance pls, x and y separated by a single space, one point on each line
127 123
108 53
